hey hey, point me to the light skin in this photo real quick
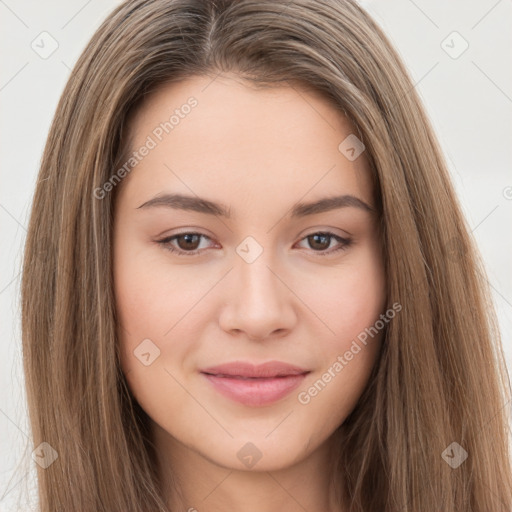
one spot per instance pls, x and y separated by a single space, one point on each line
258 153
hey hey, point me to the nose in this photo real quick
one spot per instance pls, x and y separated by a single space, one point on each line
259 301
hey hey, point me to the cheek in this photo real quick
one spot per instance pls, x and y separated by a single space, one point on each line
157 319
351 298
148 293
140 303
350 304
148 307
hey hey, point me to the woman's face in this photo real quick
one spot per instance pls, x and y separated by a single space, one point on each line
256 275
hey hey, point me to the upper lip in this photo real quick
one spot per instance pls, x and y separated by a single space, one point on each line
265 370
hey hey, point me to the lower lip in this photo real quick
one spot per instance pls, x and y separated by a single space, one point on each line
256 392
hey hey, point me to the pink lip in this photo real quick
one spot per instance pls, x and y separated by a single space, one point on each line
255 385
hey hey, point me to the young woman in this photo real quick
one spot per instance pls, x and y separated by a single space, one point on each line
248 284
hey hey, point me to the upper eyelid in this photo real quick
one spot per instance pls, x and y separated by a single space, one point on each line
314 232
330 230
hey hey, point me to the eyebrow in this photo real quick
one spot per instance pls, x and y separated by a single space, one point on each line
201 205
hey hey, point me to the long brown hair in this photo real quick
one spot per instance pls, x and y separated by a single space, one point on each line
440 378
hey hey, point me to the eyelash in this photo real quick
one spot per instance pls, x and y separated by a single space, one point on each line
166 243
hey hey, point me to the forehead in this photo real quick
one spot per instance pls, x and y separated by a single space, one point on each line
232 102
241 140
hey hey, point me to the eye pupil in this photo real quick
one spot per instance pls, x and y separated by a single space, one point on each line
188 237
317 236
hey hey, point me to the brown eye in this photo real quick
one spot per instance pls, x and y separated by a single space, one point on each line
183 243
320 243
188 241
187 244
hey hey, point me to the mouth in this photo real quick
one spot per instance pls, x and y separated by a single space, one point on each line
254 385
246 378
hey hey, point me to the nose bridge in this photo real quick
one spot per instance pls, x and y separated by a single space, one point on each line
259 286
259 302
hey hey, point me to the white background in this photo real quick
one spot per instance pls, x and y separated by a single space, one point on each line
469 100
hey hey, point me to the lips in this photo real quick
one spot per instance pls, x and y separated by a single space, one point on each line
247 370
255 385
